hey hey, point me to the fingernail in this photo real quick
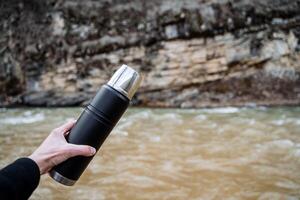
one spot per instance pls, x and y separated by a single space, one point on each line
92 150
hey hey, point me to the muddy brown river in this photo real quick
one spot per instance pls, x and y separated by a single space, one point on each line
164 154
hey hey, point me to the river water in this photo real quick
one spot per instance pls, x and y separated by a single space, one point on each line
221 153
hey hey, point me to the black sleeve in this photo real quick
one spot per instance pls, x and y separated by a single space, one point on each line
19 179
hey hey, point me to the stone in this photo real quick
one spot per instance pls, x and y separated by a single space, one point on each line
292 41
275 49
36 99
171 31
58 24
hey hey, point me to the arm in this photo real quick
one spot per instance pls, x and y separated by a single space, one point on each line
19 179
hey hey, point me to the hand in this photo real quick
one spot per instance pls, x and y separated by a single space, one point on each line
55 149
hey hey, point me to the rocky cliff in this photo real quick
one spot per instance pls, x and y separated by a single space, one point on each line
193 53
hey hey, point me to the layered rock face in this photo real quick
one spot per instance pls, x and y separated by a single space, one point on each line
192 53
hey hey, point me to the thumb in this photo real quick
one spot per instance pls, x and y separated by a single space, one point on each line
80 150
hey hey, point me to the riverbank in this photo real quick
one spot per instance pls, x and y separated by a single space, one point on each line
166 105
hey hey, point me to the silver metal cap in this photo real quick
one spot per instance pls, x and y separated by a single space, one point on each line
125 80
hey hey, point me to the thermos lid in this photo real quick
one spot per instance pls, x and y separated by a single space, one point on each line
125 80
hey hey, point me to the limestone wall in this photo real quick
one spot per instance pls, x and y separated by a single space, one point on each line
191 53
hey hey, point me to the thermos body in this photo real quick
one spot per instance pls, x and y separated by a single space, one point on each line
96 122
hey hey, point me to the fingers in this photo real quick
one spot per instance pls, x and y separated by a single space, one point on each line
65 127
80 150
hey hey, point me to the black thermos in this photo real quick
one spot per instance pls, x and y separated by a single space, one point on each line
97 120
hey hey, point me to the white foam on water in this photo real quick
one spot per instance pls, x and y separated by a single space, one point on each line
297 145
279 122
170 117
288 184
283 147
127 122
224 110
155 138
261 107
124 124
251 121
210 165
26 118
119 132
283 143
275 196
296 153
189 131
168 166
146 114
200 117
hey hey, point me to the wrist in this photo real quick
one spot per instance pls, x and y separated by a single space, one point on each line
40 163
